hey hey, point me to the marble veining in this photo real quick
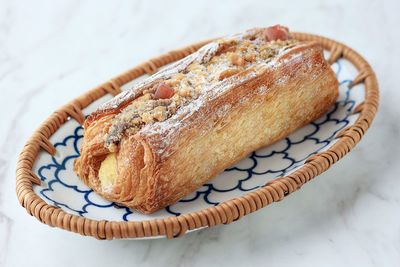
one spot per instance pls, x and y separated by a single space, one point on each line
51 52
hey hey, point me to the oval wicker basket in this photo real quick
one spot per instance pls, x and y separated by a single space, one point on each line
226 212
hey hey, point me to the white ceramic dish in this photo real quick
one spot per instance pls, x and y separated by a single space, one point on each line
61 187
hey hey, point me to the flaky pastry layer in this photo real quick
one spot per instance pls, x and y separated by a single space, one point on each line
159 162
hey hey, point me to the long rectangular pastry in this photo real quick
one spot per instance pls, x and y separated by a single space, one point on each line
169 134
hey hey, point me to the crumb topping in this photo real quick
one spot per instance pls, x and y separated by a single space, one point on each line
164 99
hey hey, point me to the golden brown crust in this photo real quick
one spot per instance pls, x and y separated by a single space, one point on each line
165 161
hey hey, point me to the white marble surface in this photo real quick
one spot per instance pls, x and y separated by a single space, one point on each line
52 51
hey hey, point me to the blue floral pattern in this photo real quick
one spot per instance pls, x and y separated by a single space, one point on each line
61 187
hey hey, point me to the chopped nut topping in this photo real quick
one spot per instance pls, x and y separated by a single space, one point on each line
246 43
172 82
224 45
164 92
276 32
193 67
236 60
178 76
159 104
266 54
146 117
227 73
250 57
184 91
230 49
160 113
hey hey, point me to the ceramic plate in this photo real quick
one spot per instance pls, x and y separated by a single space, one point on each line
61 187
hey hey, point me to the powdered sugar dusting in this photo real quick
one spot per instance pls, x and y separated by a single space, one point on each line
171 129
136 90
202 72
204 54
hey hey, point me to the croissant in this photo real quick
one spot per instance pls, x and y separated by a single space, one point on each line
169 134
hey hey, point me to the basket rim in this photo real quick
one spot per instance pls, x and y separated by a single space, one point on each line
226 212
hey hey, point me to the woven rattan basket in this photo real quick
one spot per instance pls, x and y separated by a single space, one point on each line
226 212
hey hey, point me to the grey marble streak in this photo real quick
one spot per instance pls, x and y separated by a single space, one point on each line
52 51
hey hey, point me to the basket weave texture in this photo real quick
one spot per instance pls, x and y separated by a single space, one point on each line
226 212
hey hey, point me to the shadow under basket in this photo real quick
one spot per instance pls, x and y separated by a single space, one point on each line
176 224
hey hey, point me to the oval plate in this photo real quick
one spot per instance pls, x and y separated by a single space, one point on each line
62 189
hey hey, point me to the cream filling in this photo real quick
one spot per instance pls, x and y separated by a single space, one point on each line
108 171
